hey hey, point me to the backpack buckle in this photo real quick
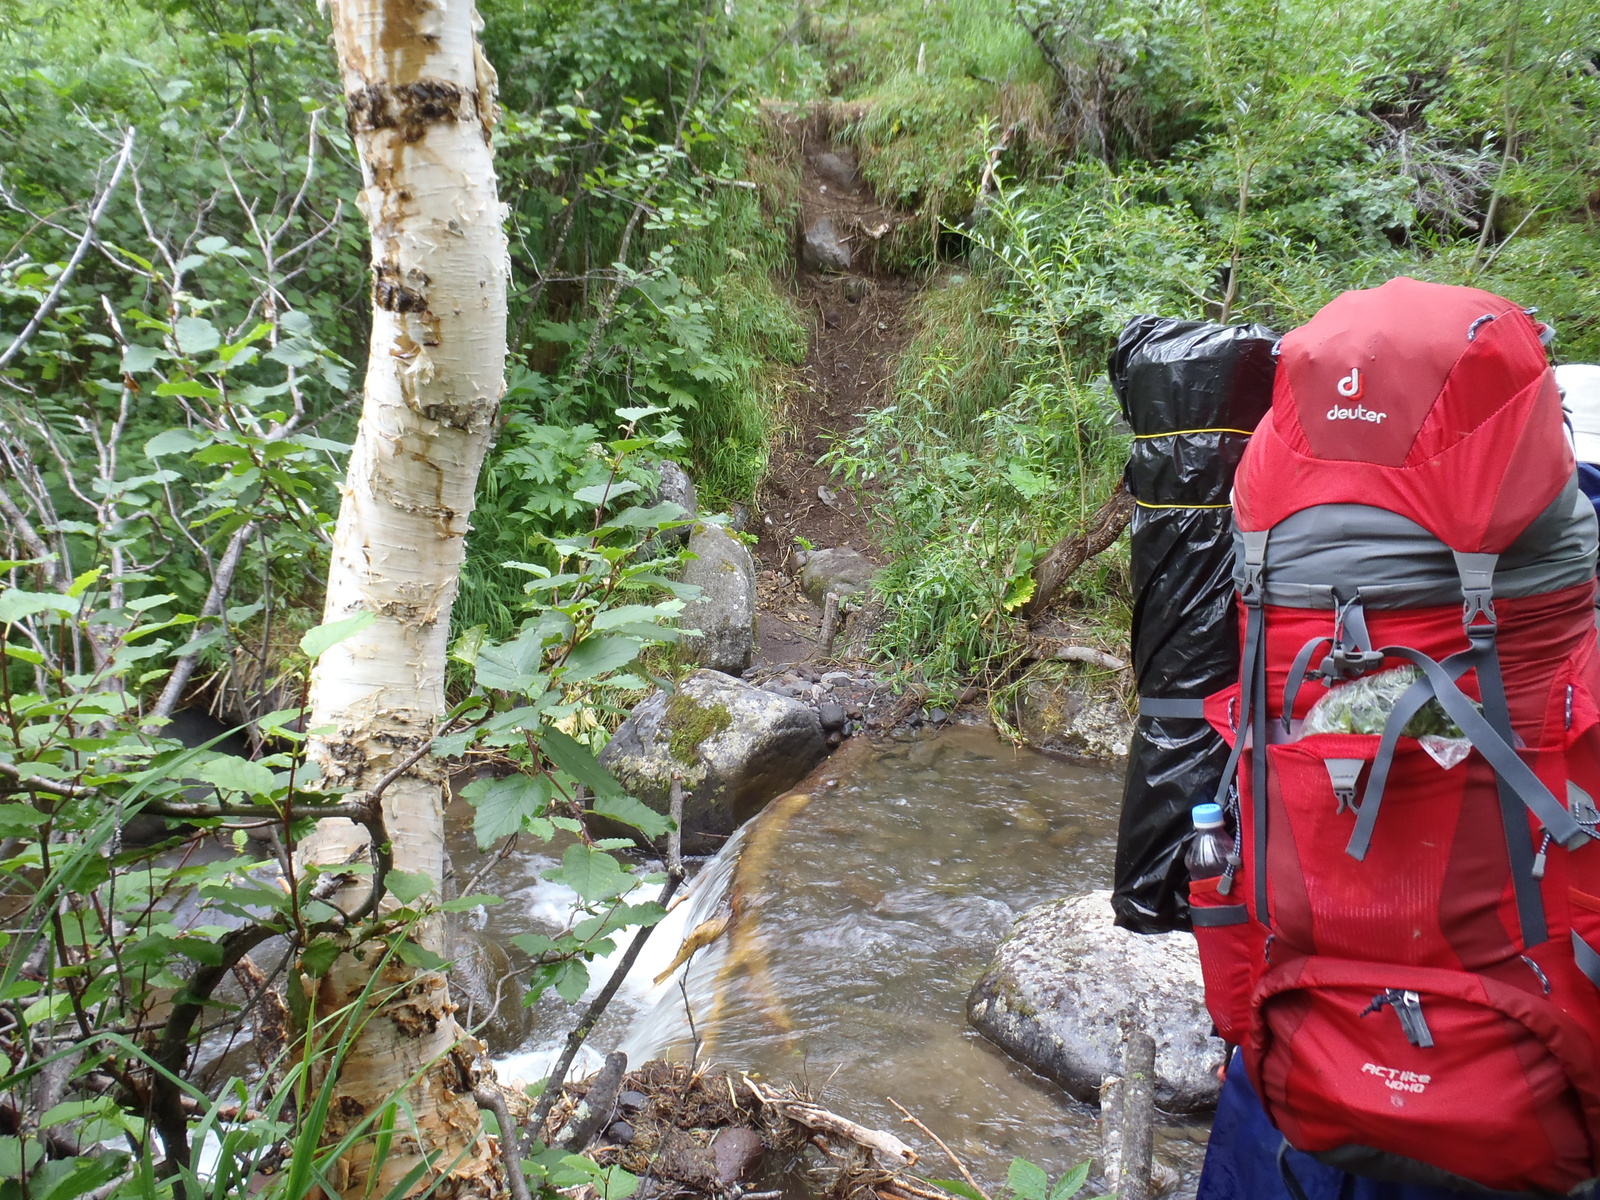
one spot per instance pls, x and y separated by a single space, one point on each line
1347 664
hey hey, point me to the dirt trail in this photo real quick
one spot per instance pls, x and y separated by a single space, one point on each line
860 323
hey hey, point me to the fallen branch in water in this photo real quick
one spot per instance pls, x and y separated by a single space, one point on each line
892 1152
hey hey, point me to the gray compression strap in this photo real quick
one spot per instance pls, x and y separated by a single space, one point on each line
1254 597
1588 960
1297 678
1407 706
1527 786
1519 844
1167 706
1218 916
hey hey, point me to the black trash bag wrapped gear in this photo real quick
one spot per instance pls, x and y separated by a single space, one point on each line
1192 391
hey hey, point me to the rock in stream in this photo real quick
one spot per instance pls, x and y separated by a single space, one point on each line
1058 988
734 746
725 611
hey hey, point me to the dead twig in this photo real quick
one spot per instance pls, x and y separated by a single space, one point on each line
1072 551
938 1141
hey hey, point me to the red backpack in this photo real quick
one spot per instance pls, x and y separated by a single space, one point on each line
1409 953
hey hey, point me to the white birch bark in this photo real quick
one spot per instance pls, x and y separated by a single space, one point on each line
420 101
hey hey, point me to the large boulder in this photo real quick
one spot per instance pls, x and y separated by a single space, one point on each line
1065 714
1062 985
822 250
841 571
735 747
725 611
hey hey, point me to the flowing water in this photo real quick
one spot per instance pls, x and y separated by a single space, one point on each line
860 909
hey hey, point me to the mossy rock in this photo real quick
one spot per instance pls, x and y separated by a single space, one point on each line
734 748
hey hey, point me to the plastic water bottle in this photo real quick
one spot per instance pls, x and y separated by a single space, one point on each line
1211 847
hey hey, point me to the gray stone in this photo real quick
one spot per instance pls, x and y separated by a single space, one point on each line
836 167
677 486
1061 984
734 746
835 678
841 571
725 611
822 250
832 715
1066 716
737 1151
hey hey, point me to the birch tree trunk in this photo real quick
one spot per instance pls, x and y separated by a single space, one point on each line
420 100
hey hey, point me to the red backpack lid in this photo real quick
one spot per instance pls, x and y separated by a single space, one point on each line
1429 400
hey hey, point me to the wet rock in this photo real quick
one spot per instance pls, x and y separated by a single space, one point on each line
841 571
736 1151
678 488
837 167
1065 716
831 714
822 250
725 611
734 746
937 716
1058 988
481 983
835 739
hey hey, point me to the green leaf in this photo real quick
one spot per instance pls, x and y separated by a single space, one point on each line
577 760
318 956
572 980
15 604
136 360
594 875
406 886
173 441
511 666
330 633
631 812
598 493
957 1187
18 820
196 335
232 774
1027 1181
599 656
503 805
420 956
1071 1183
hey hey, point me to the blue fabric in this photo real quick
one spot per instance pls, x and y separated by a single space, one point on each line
1242 1159
1589 483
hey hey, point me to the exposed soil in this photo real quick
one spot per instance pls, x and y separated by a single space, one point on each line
859 325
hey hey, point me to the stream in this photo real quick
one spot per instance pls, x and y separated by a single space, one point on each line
865 904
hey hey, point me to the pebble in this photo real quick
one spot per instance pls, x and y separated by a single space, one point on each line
835 678
632 1101
937 716
832 715
835 738
621 1133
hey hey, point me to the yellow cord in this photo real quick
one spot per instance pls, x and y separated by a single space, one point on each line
1142 437
1142 504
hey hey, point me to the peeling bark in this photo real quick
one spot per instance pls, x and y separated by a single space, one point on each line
420 101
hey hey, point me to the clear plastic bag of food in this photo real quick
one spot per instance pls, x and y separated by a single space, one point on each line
1363 706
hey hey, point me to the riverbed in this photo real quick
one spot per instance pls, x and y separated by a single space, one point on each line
869 900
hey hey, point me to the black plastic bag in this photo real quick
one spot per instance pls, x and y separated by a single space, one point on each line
1192 391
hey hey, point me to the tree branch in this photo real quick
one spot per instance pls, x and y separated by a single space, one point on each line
48 304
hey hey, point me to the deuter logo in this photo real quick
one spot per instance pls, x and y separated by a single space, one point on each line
1397 1080
1352 385
1359 413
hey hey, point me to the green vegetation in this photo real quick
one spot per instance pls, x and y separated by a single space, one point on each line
173 421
